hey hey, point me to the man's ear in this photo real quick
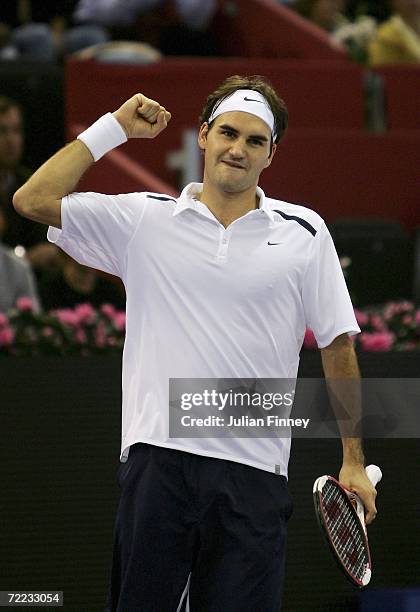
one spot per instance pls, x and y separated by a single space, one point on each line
270 159
202 136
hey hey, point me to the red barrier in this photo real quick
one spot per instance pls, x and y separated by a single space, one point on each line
318 93
402 87
348 174
264 28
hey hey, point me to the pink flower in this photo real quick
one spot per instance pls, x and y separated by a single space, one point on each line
377 322
108 310
25 304
309 341
378 341
80 336
85 313
406 306
100 335
389 311
3 320
7 336
401 307
361 317
48 332
119 321
418 317
407 319
66 316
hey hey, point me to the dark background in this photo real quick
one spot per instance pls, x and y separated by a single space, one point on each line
60 420
38 88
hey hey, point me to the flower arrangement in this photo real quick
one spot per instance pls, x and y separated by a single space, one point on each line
79 331
86 331
394 326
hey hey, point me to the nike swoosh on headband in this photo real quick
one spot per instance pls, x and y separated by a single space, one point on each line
252 100
273 243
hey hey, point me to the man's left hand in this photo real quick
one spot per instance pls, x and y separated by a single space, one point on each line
353 476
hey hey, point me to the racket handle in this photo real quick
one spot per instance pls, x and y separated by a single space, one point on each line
374 474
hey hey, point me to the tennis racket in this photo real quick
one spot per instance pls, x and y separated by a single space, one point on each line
340 514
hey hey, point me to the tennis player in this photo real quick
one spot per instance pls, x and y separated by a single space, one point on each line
221 283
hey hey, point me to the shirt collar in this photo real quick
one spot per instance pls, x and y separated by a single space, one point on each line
188 200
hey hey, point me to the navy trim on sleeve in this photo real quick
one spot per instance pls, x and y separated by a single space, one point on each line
302 222
162 198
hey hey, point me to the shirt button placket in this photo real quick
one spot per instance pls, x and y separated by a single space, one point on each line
223 244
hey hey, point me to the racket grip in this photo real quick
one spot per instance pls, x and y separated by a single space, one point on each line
374 474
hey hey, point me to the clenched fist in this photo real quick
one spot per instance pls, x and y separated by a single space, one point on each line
141 117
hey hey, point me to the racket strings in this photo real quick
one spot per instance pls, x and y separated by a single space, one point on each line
344 530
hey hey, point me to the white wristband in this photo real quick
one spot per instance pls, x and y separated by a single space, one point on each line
103 135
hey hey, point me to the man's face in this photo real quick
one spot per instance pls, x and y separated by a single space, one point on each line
236 151
11 138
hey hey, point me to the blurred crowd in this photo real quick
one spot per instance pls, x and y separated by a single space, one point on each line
374 31
128 29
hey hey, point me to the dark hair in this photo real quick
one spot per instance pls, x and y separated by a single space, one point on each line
256 83
7 103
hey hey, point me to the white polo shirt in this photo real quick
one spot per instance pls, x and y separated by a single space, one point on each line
204 301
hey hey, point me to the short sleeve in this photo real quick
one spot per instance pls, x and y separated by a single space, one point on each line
326 300
97 228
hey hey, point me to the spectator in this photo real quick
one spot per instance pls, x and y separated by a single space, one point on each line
20 37
19 231
175 28
16 278
326 14
68 36
44 31
75 284
397 40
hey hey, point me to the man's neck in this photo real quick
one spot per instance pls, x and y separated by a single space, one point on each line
227 207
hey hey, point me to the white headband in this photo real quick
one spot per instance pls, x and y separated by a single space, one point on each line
247 101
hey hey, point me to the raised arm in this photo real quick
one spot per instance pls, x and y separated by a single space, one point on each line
40 197
343 381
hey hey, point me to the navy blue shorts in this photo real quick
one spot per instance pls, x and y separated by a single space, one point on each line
197 533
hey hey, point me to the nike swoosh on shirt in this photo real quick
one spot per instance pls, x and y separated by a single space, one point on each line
252 100
273 243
